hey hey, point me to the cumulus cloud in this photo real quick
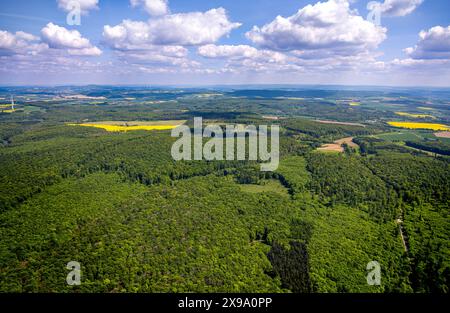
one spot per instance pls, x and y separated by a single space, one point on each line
27 53
433 44
20 43
162 40
394 7
58 37
328 25
85 5
55 41
429 60
184 29
153 7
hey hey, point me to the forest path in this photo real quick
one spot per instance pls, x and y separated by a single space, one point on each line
399 221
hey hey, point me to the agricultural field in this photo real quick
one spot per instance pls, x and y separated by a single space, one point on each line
404 135
442 134
412 125
122 126
415 115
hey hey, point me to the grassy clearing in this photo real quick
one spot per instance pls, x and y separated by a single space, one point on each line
340 123
409 135
30 108
400 136
271 185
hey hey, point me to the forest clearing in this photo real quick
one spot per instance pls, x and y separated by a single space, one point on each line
338 145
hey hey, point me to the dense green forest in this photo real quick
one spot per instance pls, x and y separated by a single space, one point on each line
138 221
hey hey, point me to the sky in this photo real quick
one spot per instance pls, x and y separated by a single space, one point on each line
219 42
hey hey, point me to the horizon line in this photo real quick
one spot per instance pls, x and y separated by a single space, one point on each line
277 85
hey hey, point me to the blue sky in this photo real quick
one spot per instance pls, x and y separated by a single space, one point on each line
225 42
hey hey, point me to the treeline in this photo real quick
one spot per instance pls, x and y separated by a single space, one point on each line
325 131
431 146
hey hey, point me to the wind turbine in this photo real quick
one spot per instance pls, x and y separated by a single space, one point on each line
12 103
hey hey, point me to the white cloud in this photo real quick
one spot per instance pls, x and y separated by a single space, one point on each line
162 41
244 58
241 52
184 29
128 35
328 25
91 51
58 37
433 44
55 41
429 60
38 58
85 5
241 58
20 43
422 70
53 61
227 51
153 7
394 7
157 55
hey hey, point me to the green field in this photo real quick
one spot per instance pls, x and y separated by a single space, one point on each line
401 136
265 186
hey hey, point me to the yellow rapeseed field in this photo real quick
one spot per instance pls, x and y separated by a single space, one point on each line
414 115
354 104
122 128
426 108
412 125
